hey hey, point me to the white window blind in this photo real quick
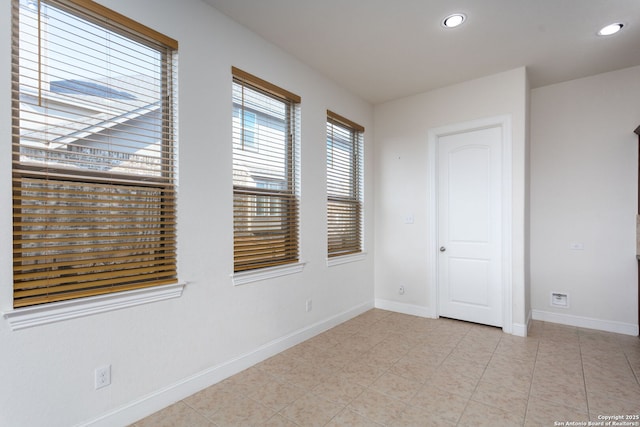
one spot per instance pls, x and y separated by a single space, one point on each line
344 185
94 152
265 173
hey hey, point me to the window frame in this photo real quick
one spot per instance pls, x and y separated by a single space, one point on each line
339 253
283 203
61 308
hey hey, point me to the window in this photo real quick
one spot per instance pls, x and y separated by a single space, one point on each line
344 185
265 173
94 154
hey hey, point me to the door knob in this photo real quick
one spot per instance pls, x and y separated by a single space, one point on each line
442 249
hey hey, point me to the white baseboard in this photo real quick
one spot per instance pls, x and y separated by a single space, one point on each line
519 329
522 329
418 310
586 322
399 307
147 405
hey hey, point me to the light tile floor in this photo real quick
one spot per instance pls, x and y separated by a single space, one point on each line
389 369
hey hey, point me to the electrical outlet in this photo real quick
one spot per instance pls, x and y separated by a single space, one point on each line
103 376
401 290
309 305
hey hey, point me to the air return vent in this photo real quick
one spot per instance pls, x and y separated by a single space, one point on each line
559 300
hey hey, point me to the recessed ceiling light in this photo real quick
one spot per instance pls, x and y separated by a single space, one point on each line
610 29
454 20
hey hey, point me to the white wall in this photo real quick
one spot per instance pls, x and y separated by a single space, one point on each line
402 183
584 190
165 350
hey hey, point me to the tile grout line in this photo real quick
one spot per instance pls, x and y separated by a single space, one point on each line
584 378
626 356
476 386
533 373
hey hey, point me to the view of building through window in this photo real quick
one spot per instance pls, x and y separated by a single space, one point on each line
84 88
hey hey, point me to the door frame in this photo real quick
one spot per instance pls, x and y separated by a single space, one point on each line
504 123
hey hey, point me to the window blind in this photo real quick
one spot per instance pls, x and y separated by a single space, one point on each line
344 185
94 152
265 173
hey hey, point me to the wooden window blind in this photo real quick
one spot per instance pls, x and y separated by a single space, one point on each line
94 152
266 120
344 185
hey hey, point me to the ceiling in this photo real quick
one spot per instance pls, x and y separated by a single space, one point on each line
383 50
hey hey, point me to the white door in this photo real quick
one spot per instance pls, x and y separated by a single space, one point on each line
469 225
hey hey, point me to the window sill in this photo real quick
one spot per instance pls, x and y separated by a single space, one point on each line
245 277
344 259
44 314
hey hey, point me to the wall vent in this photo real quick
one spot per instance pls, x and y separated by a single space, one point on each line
559 300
